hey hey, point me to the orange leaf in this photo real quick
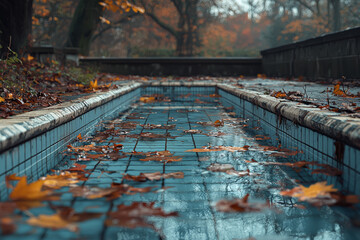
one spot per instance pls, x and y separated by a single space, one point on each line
79 137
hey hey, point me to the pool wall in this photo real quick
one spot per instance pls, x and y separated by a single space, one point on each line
31 143
324 137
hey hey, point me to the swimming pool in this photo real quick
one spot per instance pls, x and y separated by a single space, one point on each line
180 120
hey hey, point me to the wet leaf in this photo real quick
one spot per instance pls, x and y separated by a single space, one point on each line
79 137
68 214
115 191
54 222
161 156
64 179
134 215
24 192
240 205
7 226
11 178
320 194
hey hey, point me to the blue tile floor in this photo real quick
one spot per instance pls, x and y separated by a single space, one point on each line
194 197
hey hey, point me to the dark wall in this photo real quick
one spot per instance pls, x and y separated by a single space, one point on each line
177 66
323 58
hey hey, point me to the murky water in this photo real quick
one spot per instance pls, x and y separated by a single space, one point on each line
194 197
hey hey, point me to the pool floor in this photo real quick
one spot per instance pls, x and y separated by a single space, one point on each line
194 196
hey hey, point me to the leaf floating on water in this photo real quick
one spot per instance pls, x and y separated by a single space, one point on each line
29 195
161 156
115 191
134 215
54 222
320 194
240 205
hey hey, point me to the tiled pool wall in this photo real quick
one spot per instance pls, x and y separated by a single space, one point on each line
178 93
37 156
316 147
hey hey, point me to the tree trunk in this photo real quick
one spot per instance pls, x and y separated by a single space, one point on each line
83 25
15 25
336 15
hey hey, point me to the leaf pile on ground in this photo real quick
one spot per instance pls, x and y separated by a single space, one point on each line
27 85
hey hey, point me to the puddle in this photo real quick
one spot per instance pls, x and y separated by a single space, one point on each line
228 165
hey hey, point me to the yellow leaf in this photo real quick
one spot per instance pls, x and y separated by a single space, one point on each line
32 191
54 222
2 99
147 99
30 58
93 85
315 190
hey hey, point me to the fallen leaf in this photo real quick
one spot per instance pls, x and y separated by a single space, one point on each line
79 137
30 192
153 176
161 156
240 205
7 226
320 194
54 222
134 215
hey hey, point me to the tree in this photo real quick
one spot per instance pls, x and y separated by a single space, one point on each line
186 30
87 15
83 25
15 25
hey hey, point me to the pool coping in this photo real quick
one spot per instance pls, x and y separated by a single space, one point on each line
20 128
23 127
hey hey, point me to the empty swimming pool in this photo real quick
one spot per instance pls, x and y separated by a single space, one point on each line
214 172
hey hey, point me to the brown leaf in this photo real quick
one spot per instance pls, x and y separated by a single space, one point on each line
134 215
153 176
161 156
7 226
240 205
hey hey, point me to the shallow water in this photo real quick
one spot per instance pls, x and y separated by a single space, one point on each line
194 197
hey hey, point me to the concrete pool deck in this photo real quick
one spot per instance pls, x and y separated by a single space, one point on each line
194 196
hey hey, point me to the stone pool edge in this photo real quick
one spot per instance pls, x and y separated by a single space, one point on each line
332 124
22 127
